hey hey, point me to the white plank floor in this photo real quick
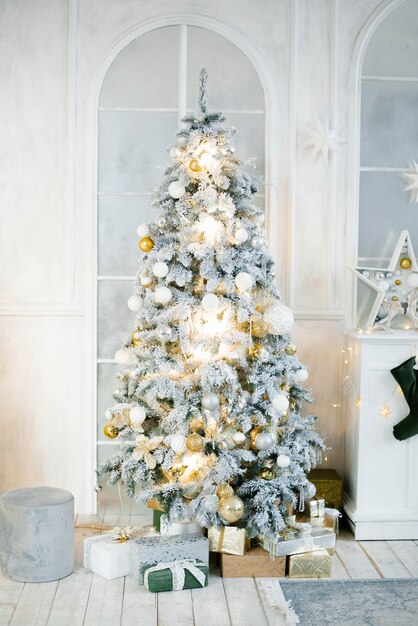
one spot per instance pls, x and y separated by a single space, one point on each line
87 599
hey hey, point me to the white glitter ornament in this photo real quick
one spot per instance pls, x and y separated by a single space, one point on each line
263 441
135 303
301 375
210 302
137 417
210 401
243 281
283 460
142 230
280 402
239 438
210 503
122 357
160 269
146 281
163 295
279 319
241 235
108 414
178 443
176 189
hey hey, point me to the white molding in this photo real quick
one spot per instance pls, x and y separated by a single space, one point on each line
116 277
353 157
383 169
397 79
48 310
124 193
325 315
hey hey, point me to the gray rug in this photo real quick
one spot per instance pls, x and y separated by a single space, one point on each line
386 602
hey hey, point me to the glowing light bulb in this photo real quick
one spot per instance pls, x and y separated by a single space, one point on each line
205 158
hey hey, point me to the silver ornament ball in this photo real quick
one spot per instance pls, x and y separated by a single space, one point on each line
98 488
210 401
210 503
165 333
263 441
161 221
257 242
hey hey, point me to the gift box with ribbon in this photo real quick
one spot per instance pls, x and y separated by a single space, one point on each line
228 540
176 575
310 565
178 527
291 542
165 549
109 554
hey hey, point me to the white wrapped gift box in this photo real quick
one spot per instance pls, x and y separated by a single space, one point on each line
184 527
106 557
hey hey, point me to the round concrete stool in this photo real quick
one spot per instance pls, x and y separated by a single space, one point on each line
36 534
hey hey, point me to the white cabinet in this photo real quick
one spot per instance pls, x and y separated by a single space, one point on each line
381 473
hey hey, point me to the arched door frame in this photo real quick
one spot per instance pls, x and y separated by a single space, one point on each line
90 189
353 160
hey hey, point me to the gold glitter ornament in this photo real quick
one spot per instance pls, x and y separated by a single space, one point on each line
398 282
195 165
267 473
290 349
231 509
405 263
194 443
136 337
196 424
111 431
285 387
146 244
227 438
224 491
258 327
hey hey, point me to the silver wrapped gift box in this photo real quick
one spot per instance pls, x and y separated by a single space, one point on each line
293 543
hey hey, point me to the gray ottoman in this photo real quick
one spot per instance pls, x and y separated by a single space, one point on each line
36 534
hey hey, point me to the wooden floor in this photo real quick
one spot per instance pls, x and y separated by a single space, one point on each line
87 599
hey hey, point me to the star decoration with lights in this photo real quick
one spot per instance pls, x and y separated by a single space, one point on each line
322 139
396 286
411 177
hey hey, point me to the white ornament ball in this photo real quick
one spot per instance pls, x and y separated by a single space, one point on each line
280 402
241 235
263 441
259 219
238 438
244 281
301 375
210 503
412 280
210 302
163 295
122 357
310 490
257 242
142 230
283 460
146 281
137 416
108 414
176 189
135 303
178 443
279 319
210 401
160 269
383 285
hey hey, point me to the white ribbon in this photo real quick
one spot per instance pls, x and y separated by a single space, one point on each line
178 572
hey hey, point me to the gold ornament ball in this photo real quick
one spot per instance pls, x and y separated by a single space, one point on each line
398 282
110 431
405 263
395 298
195 165
284 387
194 443
146 244
231 509
224 491
290 349
267 473
136 337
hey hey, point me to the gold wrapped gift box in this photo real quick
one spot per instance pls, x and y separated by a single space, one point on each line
228 540
329 486
310 565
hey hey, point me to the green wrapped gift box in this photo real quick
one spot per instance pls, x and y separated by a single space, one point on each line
175 576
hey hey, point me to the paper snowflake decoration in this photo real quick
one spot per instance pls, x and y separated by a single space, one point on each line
411 177
322 139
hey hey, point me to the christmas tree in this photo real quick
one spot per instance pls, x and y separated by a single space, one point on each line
208 410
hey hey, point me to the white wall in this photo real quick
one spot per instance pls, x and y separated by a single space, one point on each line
53 54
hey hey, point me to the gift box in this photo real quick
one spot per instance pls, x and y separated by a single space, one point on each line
175 576
184 527
228 540
316 508
315 564
293 543
109 554
329 487
164 549
157 512
256 563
